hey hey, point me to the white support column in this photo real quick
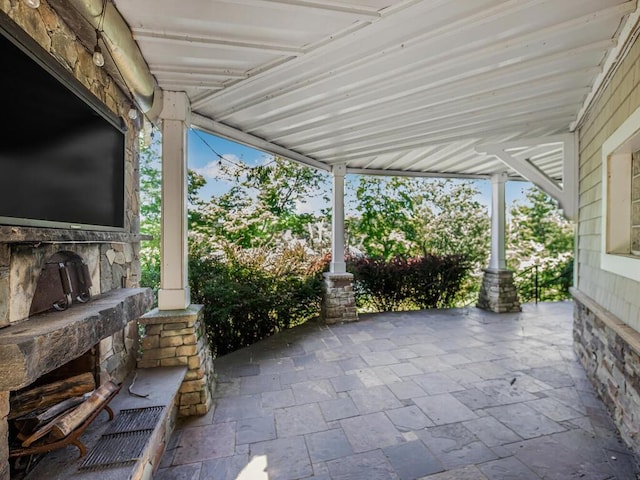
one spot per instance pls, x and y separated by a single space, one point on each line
498 223
174 283
498 292
338 264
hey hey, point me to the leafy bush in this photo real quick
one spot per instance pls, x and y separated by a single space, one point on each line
249 295
429 281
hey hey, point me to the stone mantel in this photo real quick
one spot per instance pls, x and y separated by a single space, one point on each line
15 234
43 342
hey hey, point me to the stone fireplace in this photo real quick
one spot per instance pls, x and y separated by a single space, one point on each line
101 335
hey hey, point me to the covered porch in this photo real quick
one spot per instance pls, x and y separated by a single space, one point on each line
441 394
490 89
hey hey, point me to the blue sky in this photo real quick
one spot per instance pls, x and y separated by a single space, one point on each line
205 148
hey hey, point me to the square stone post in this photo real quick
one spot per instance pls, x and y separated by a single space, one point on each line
177 338
498 292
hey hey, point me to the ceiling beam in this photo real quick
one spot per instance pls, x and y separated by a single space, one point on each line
230 133
410 173
200 70
566 192
182 40
322 5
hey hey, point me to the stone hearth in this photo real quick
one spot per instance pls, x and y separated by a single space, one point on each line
46 341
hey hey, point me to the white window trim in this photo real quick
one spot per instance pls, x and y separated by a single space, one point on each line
616 159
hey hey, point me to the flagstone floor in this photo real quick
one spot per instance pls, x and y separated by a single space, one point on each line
457 394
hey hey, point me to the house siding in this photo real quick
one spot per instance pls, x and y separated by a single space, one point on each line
616 294
607 305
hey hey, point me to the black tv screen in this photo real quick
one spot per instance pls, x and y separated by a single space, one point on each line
61 158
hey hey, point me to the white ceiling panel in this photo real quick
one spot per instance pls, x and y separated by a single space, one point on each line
409 86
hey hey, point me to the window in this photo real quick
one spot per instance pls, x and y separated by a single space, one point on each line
621 200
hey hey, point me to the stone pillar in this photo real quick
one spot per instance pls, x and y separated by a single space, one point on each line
339 301
498 292
174 283
175 338
4 436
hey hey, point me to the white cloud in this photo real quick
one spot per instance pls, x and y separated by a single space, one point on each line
211 171
264 159
313 204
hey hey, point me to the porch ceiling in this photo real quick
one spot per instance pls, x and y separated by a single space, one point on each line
384 85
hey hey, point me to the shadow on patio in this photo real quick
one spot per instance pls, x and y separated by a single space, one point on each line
443 394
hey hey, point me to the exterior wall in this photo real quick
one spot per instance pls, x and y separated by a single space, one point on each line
610 353
616 294
607 306
113 261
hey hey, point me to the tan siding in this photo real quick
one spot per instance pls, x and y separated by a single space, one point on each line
590 195
617 294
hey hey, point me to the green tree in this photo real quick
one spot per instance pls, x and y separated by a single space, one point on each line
540 238
263 202
150 211
151 206
412 216
384 207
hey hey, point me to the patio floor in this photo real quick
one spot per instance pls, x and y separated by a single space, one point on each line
445 394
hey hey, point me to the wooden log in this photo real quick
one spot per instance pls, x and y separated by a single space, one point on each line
27 424
39 433
69 421
46 395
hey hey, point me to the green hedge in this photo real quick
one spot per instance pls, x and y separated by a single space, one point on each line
246 301
430 281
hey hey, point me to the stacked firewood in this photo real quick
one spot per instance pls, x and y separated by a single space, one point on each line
48 413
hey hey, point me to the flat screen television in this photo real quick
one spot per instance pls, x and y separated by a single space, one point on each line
62 153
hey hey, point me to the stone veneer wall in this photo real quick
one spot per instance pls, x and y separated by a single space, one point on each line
609 350
113 264
174 338
498 292
118 354
339 301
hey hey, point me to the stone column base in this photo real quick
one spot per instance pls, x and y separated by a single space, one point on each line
339 301
177 337
498 292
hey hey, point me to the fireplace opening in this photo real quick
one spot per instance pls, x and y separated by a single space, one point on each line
33 408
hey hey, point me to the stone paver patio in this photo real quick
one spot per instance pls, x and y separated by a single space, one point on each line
441 395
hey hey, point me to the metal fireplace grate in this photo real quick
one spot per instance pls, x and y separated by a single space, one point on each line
123 443
135 419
